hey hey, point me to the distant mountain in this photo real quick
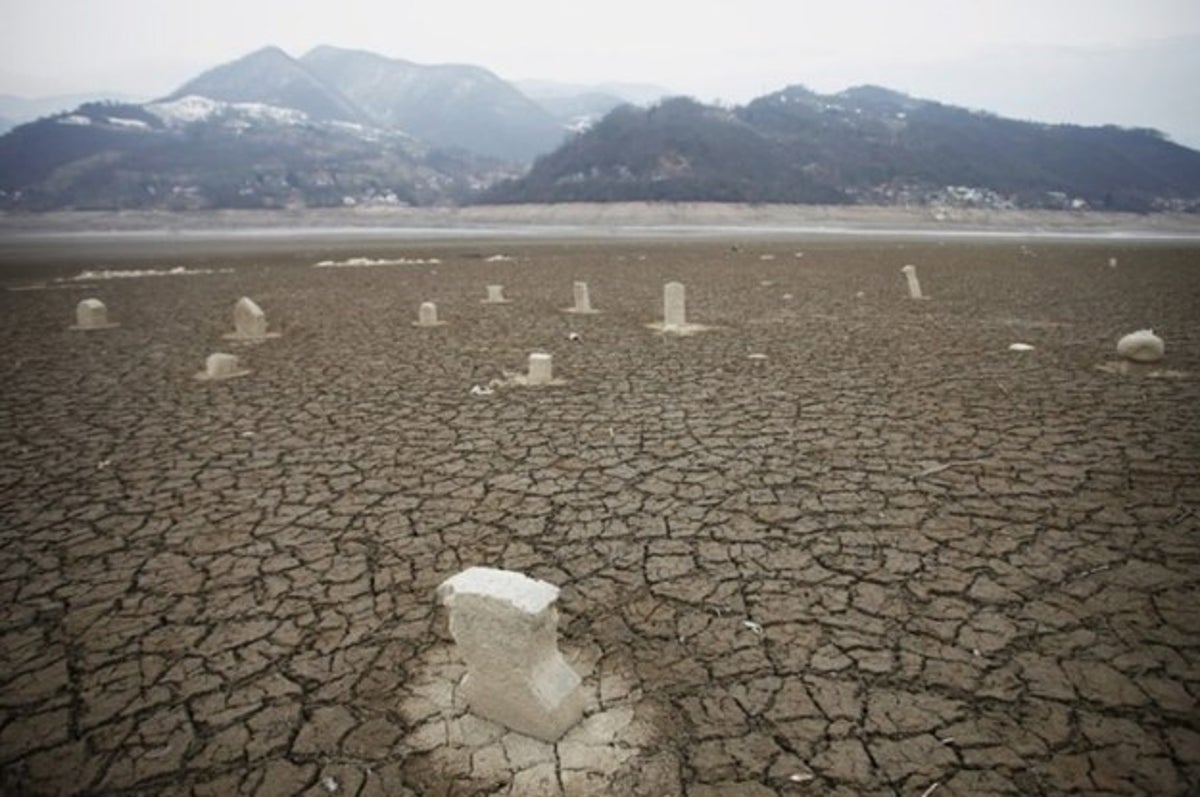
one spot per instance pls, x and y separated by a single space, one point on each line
343 127
448 105
272 77
195 153
865 144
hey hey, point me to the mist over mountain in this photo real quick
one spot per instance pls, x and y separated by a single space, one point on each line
344 127
577 106
451 105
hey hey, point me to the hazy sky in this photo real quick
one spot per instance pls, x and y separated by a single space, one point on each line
727 49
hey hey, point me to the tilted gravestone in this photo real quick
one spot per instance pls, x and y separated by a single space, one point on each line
914 287
249 322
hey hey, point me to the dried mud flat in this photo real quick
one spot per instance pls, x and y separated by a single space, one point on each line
891 557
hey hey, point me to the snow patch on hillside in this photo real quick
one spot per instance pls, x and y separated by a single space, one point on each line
194 108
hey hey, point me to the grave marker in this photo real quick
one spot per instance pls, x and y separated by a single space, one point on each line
91 314
914 287
506 629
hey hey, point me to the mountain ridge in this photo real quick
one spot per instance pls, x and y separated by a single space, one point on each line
271 76
341 127
867 144
455 105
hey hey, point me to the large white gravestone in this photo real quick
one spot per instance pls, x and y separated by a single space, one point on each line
506 629
1142 346
91 314
249 322
220 366
427 316
674 305
914 287
495 295
675 312
583 302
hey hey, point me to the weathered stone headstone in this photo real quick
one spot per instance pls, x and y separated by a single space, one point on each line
1142 346
914 287
249 322
675 313
221 366
427 315
674 310
506 629
495 295
91 314
540 369
583 302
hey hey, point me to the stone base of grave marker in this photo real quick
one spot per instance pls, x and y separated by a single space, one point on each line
506 629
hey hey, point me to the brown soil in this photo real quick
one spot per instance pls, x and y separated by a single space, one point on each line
892 554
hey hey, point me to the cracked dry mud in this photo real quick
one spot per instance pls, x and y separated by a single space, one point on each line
891 555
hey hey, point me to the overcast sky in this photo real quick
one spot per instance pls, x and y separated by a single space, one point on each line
1004 55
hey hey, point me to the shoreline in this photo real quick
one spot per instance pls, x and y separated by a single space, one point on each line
626 219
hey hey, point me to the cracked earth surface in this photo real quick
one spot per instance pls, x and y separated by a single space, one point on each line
890 556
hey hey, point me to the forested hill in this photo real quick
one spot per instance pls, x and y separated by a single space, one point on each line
865 144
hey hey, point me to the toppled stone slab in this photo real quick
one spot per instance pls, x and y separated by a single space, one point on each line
506 629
